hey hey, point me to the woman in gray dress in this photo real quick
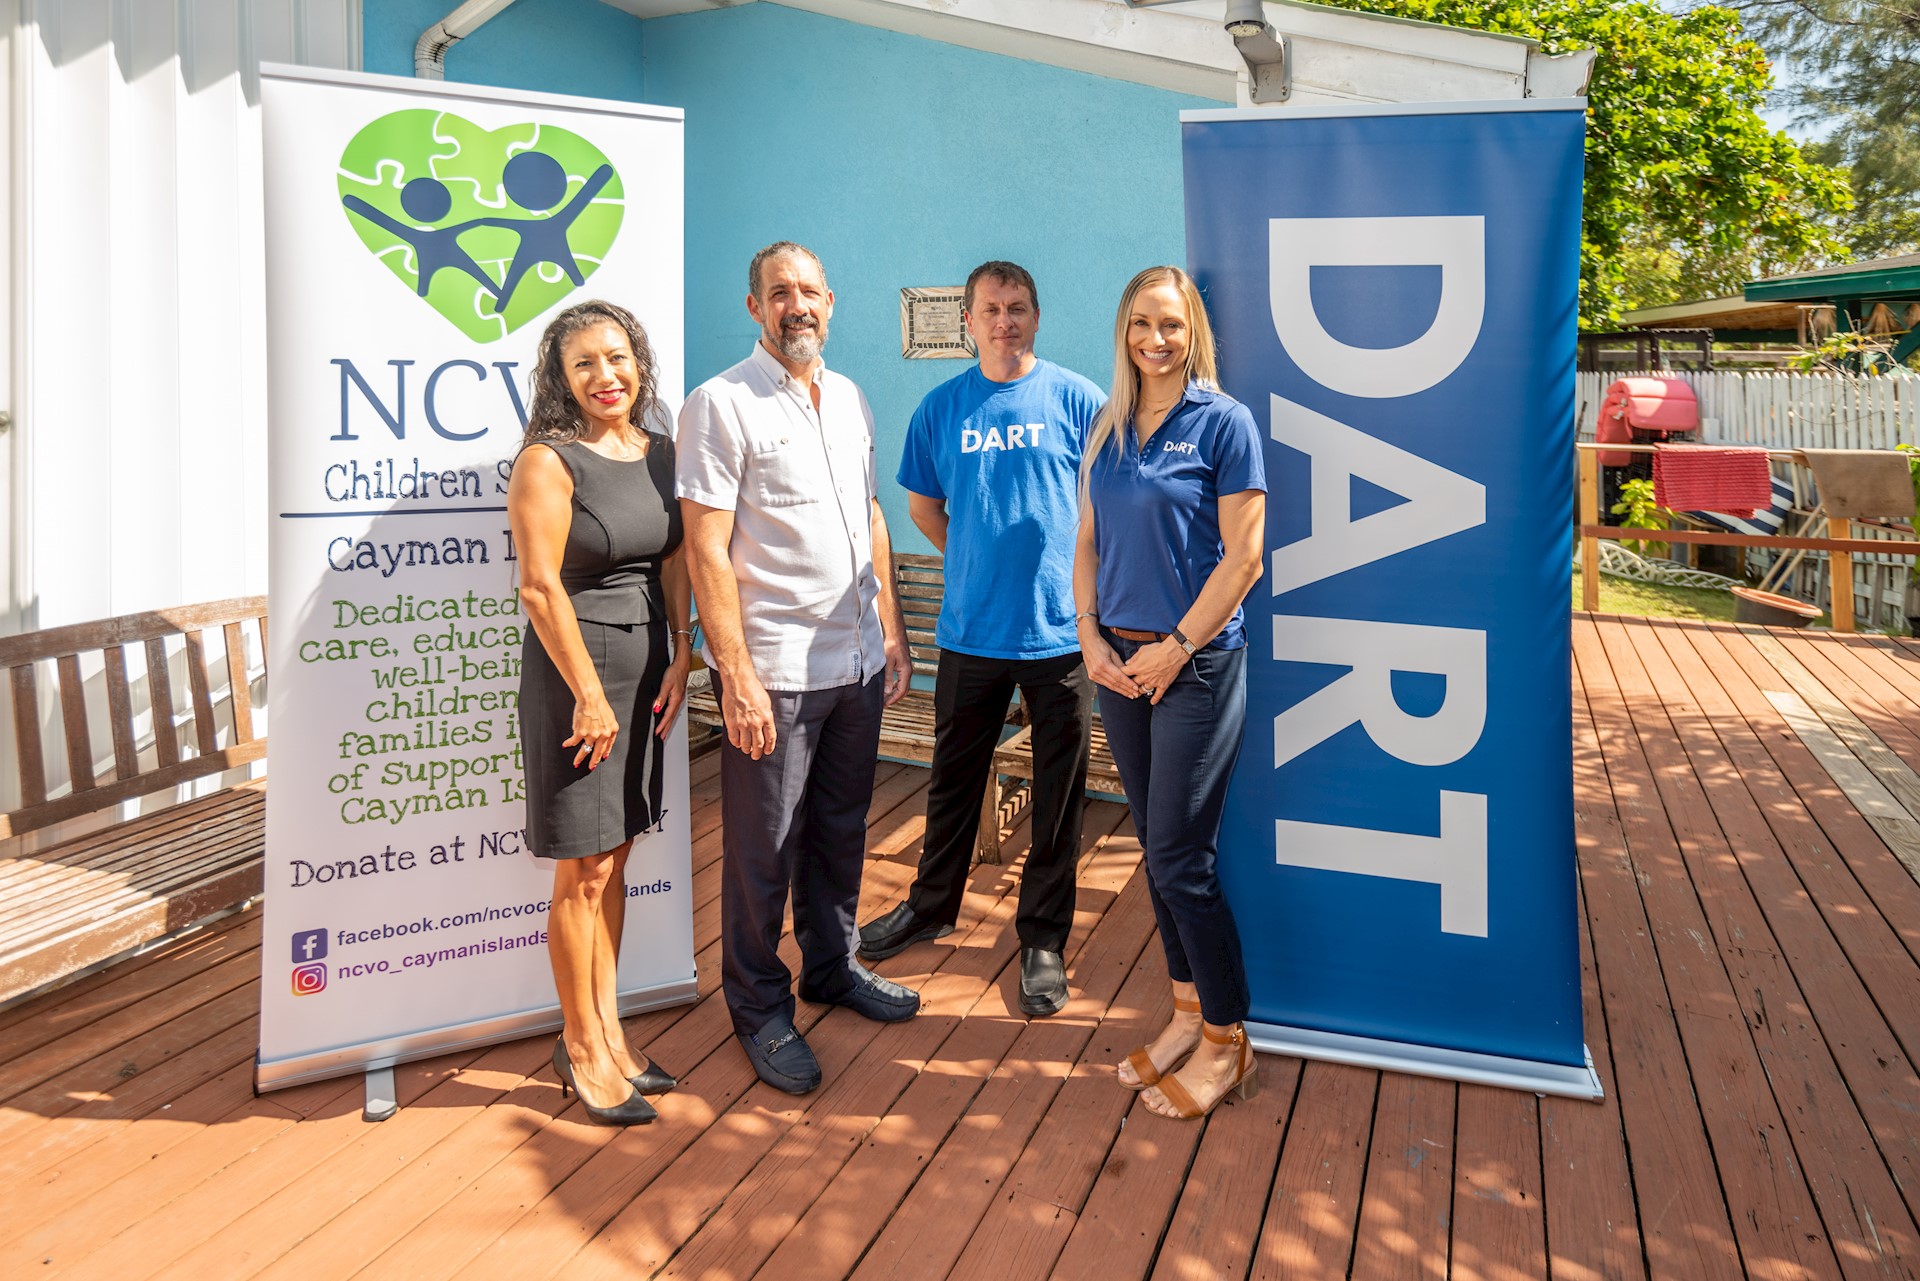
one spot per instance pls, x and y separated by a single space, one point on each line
604 671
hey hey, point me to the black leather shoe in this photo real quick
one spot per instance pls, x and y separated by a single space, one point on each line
1043 982
634 1111
867 994
655 1080
897 931
782 1058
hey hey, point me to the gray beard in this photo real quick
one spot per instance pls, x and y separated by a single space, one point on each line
802 346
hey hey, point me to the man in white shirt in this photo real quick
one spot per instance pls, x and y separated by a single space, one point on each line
792 571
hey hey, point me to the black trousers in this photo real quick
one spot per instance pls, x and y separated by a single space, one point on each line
795 822
970 700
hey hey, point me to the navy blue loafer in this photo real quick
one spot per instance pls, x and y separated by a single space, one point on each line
868 995
782 1058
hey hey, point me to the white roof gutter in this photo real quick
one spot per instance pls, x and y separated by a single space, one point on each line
430 51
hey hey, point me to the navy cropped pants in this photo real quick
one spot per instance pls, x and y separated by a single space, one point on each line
1174 760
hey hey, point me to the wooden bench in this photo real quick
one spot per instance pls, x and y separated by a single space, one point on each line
86 899
906 732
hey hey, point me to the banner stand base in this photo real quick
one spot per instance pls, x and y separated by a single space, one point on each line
381 1100
1426 1060
373 1056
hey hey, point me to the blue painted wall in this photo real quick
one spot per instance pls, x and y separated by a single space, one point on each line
901 161
552 46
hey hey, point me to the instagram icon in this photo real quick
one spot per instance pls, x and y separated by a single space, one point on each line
308 979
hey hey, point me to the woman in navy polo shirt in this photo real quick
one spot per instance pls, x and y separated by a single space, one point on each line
1173 505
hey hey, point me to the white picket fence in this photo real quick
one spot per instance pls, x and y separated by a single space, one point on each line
1802 411
1785 411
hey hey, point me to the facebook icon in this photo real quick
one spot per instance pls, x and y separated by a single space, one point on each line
309 945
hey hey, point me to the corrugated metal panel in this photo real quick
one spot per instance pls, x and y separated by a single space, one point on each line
139 357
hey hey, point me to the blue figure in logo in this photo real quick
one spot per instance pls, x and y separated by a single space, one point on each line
535 180
434 248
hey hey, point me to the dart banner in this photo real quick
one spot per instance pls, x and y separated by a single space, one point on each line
419 236
1394 290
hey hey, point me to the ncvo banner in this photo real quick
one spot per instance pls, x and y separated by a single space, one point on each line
1394 289
419 236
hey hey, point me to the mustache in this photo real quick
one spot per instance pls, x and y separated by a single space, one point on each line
799 322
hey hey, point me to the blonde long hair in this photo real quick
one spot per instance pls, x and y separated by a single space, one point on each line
1202 363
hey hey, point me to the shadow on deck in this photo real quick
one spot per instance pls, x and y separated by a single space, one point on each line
1749 835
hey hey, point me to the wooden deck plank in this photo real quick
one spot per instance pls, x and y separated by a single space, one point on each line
1897 668
1224 1196
139 1033
199 1187
1776 1221
1499 1221
926 1236
1406 1205
1859 1204
135 1142
1684 1223
1888 889
1309 1227
828 1240
261 1237
52 1015
554 1220
630 1232
1593 1224
764 1205
1860 688
1856 978
1748 953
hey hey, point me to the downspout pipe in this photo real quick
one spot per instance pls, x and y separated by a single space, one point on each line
430 51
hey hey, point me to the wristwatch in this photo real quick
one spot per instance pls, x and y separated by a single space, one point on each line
1180 638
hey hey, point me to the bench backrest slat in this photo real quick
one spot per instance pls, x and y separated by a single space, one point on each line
240 701
166 741
203 731
26 736
176 761
73 718
126 749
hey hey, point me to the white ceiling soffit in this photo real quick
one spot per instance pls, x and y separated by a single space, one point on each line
1338 56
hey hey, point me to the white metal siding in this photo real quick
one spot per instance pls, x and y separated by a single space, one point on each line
139 355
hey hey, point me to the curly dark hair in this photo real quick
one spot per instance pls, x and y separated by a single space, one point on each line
554 416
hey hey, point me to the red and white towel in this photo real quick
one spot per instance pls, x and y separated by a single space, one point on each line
1712 478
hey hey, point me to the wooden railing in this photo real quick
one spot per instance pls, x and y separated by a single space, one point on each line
1839 544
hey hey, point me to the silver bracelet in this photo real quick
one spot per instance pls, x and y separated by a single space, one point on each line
1094 614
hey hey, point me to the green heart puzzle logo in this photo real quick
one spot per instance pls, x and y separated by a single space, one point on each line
490 227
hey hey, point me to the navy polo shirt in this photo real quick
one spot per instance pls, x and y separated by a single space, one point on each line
1156 513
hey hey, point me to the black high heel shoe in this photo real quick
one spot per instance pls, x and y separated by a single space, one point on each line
634 1111
655 1080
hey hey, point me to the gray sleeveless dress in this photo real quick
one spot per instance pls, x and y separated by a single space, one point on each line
625 522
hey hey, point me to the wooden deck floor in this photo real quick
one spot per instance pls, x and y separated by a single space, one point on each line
1749 834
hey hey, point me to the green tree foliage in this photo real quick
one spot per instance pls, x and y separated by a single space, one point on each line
1860 80
1688 192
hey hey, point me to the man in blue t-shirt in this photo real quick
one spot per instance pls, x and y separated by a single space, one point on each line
991 468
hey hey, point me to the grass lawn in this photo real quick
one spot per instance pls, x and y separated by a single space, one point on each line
1624 596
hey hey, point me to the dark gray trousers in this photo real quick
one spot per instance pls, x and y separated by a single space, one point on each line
795 821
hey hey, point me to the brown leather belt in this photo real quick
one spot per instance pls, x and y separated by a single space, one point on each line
1129 634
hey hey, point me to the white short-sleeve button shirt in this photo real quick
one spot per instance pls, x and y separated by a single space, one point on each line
800 484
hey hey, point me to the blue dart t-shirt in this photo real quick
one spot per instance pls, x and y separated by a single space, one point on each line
1006 459
1156 511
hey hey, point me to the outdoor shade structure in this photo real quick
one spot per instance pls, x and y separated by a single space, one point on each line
1853 290
1769 311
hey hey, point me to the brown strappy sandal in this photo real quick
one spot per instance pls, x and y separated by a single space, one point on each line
1142 1062
1244 1084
